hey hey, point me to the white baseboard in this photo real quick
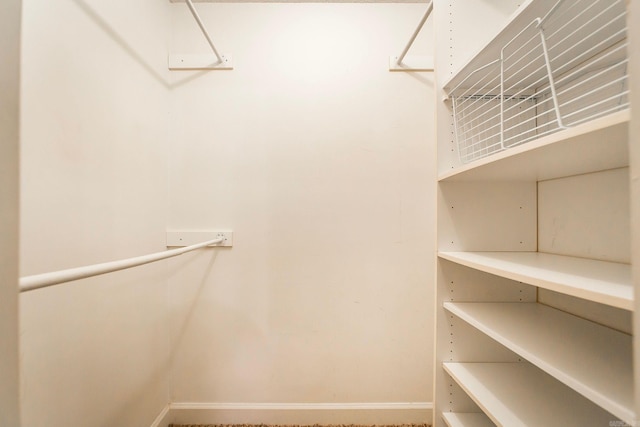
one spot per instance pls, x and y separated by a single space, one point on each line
296 413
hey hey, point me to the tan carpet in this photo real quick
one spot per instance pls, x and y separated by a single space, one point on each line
292 425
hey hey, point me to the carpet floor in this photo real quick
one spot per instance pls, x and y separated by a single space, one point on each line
293 425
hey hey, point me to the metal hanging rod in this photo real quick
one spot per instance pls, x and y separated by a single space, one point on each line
194 12
217 61
416 63
415 33
39 281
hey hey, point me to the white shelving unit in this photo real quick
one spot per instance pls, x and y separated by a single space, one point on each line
472 419
556 64
518 341
554 341
601 142
499 389
599 281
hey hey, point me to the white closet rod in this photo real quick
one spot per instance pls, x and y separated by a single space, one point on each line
38 281
415 33
204 30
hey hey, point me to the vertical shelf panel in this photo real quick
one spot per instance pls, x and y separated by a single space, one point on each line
568 207
469 219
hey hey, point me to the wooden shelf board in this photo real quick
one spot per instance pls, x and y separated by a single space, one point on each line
599 281
594 360
599 144
453 419
519 394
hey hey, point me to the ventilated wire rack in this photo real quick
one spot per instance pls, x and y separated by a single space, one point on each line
566 67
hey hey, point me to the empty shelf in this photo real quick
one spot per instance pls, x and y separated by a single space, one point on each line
597 145
599 281
453 419
519 394
592 359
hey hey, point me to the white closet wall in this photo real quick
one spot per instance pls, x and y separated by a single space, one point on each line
94 178
310 150
323 164
9 190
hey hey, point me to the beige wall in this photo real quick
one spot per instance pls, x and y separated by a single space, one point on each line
94 179
322 162
9 143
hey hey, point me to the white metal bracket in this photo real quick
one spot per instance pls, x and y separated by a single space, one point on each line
201 62
411 63
416 63
187 238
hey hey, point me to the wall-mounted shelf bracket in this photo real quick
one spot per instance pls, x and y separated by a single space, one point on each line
411 63
178 238
214 61
200 62
403 62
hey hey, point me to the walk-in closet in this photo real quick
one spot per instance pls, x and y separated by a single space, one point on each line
298 213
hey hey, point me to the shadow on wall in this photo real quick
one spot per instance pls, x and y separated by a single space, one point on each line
192 305
426 80
245 360
140 397
129 50
155 74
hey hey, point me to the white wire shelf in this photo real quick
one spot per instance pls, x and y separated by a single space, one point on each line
600 144
553 340
520 395
557 65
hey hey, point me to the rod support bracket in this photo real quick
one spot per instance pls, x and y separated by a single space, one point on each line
180 238
200 62
411 63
